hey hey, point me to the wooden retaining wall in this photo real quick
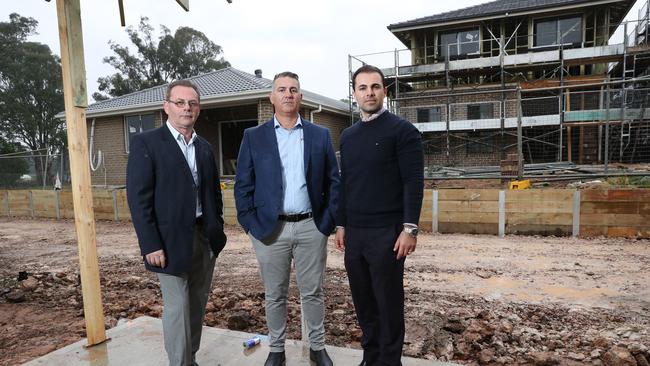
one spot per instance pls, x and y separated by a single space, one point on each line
560 212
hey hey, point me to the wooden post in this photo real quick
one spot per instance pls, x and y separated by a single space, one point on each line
76 101
57 201
434 211
576 214
7 207
502 214
31 203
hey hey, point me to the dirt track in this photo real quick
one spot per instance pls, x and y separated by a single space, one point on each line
471 299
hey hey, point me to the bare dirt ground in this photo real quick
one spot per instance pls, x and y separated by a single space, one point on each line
470 299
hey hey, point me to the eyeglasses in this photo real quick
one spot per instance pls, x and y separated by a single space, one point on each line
181 103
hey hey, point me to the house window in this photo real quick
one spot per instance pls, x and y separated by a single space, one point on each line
458 43
231 135
429 114
480 111
137 124
556 31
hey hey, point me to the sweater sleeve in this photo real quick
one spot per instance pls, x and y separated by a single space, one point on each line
411 166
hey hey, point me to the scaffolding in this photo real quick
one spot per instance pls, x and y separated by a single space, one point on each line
582 103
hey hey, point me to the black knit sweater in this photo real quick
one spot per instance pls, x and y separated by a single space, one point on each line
381 173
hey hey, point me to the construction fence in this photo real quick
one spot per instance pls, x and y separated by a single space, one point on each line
559 212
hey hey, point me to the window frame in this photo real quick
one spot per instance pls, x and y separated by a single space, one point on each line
556 20
459 45
429 108
127 133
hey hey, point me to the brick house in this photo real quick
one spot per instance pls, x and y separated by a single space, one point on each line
583 90
231 101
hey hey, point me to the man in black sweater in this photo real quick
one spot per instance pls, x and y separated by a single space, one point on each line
379 209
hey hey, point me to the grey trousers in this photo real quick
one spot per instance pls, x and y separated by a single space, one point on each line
302 242
184 300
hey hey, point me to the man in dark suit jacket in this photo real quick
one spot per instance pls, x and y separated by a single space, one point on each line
174 195
285 191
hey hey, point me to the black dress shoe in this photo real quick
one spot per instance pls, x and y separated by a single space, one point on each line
320 357
275 359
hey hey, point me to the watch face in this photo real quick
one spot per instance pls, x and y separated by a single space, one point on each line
411 231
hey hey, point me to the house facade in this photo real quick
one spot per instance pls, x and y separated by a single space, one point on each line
231 101
567 77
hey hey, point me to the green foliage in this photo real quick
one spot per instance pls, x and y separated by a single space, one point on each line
11 169
31 91
632 182
186 53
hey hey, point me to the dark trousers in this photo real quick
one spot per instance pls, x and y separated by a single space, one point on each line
377 284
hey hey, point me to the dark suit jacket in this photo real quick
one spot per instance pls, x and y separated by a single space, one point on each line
161 195
258 184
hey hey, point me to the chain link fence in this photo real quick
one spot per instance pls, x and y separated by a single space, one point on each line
31 170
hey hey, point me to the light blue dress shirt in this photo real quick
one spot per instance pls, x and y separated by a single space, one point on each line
294 185
189 152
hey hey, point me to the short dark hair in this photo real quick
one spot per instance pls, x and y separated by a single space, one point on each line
183 82
286 74
369 69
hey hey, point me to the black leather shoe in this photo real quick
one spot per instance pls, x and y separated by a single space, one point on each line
275 359
320 357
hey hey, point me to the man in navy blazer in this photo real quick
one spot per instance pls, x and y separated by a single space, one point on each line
174 195
286 191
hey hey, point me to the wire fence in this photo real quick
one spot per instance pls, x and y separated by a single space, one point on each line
34 170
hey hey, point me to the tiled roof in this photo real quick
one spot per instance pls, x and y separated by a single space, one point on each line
486 9
224 82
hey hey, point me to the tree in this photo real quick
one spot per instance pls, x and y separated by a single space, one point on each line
186 53
11 168
31 91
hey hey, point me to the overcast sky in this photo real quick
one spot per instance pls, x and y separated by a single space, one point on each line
310 37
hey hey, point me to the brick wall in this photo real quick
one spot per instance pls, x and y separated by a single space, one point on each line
336 123
111 140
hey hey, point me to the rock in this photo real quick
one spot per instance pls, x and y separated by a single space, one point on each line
641 360
454 326
15 296
30 284
240 320
576 356
486 356
545 359
596 353
601 342
636 348
618 356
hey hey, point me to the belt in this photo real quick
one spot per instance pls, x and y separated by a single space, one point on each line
295 217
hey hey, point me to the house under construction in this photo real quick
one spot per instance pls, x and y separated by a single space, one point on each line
551 80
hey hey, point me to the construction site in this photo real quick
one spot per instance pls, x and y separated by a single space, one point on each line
536 213
554 86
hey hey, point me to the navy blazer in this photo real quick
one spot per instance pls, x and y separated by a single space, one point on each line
258 182
161 195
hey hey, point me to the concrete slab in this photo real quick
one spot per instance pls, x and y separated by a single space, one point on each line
139 343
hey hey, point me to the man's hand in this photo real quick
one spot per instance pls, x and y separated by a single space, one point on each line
339 238
404 245
157 258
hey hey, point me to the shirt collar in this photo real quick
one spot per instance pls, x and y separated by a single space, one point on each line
373 116
277 124
178 136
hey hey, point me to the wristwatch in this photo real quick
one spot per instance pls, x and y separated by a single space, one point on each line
411 230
